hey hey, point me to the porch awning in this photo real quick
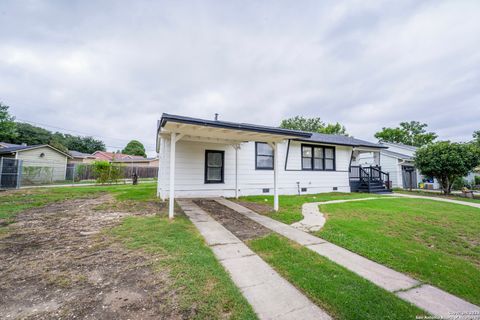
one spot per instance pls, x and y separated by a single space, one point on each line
223 131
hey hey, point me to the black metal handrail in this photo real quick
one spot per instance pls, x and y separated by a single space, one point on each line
367 175
364 177
383 177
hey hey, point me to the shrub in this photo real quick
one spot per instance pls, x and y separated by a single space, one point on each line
459 183
105 172
477 180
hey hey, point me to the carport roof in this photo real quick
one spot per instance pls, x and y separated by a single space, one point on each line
331 139
230 125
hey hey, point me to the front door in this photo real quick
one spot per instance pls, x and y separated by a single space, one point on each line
409 175
214 166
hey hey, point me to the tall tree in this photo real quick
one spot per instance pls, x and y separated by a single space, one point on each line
7 125
32 135
411 133
78 143
135 148
447 161
313 125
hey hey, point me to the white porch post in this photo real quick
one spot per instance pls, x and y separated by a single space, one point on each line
236 171
159 173
171 200
275 176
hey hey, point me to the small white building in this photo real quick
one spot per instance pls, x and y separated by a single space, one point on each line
398 161
206 158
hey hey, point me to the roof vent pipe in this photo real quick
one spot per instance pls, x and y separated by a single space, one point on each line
216 116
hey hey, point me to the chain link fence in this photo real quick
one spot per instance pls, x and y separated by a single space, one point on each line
16 173
10 172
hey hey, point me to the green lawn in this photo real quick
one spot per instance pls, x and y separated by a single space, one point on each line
436 242
198 276
291 206
340 292
15 201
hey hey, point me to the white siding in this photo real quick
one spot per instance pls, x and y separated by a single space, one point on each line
391 165
190 171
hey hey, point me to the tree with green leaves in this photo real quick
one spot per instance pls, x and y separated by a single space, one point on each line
313 125
8 129
31 135
411 133
135 148
447 161
476 137
78 143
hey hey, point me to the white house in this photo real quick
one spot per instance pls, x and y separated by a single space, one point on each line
200 158
398 161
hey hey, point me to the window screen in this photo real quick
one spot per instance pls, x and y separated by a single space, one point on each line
263 156
214 166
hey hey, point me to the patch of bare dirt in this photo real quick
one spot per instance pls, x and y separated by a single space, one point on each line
257 207
57 263
130 206
241 226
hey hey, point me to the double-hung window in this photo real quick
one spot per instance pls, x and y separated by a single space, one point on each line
263 156
214 166
318 158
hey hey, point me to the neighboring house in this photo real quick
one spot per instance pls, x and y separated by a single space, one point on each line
112 156
143 162
40 163
127 159
218 158
471 176
398 161
80 157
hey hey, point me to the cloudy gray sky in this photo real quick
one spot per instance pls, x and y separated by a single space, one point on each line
110 68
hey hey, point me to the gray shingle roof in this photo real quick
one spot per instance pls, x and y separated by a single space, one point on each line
8 145
340 140
15 149
397 155
400 145
11 150
78 154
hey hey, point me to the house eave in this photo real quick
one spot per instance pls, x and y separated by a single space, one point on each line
341 144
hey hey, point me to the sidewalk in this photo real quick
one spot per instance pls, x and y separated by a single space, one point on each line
270 295
431 299
465 203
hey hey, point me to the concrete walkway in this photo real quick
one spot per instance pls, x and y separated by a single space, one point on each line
313 219
465 203
270 295
431 299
